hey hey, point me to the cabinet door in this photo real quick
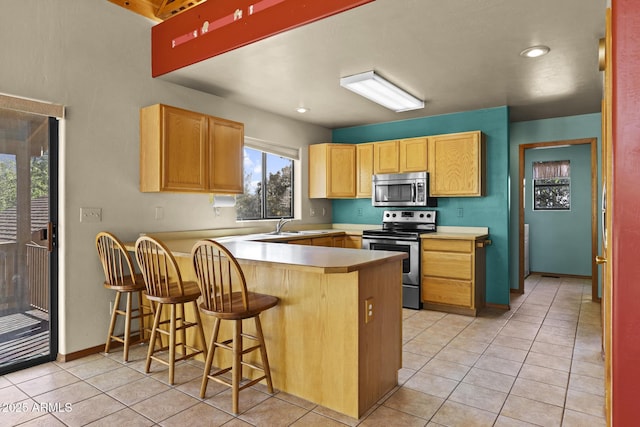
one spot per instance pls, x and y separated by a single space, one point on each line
226 156
354 242
184 165
322 241
386 157
457 164
364 169
413 155
341 170
338 241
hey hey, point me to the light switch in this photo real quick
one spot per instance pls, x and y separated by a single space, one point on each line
90 214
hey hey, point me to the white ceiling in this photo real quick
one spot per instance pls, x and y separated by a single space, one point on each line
457 55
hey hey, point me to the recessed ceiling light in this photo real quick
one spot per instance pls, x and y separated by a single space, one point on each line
535 51
302 110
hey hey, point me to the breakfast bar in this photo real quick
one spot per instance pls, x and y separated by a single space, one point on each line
335 338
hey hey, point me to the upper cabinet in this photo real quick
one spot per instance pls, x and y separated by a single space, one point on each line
184 151
455 162
413 155
457 165
364 169
386 157
400 156
332 171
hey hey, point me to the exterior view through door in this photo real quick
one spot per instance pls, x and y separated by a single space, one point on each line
28 145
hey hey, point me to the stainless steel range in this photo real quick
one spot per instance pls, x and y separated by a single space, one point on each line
401 233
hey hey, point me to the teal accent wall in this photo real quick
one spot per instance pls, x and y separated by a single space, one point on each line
490 211
556 129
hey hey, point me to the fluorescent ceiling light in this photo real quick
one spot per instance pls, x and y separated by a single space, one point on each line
375 88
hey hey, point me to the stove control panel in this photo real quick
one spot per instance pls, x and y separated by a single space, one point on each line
428 217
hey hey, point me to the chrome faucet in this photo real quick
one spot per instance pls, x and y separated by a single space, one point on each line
281 223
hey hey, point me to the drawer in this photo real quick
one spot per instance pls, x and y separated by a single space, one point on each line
447 245
445 291
447 264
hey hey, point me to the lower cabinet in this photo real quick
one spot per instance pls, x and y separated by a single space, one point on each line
453 274
341 241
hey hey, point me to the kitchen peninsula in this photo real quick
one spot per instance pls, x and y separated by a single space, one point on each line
322 343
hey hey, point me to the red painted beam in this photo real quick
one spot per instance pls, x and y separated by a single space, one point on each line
626 220
215 27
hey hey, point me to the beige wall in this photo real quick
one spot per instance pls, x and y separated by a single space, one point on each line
94 58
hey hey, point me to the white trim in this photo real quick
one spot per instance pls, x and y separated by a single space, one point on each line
31 106
269 147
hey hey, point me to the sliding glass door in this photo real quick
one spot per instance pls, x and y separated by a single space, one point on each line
28 261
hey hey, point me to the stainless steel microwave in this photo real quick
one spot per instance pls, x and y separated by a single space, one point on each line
402 189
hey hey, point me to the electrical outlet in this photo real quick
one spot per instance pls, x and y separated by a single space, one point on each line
90 214
312 212
359 211
159 213
460 212
368 310
110 307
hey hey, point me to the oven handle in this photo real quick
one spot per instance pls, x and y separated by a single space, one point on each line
413 192
382 239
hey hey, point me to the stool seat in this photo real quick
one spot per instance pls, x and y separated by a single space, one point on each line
190 292
236 311
127 284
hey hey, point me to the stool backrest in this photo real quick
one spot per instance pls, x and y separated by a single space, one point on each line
219 276
159 269
116 261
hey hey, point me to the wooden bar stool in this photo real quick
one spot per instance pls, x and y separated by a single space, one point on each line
164 286
225 297
120 276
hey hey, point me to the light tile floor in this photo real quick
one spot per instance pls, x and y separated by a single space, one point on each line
538 364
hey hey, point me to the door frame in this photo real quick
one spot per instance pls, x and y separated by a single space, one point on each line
594 207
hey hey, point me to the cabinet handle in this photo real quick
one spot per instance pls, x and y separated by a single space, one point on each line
483 243
600 260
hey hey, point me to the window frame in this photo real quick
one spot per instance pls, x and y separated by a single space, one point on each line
546 182
264 180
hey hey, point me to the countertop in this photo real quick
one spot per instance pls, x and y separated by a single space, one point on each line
318 258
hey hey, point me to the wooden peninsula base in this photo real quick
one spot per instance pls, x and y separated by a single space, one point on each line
322 346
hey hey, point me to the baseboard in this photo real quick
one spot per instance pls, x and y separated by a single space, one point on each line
91 350
505 307
559 275
516 291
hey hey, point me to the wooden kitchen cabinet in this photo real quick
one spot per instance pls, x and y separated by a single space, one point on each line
457 164
332 171
400 156
322 241
364 169
386 157
185 151
352 241
453 274
413 155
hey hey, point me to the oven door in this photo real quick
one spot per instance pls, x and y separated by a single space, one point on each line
410 265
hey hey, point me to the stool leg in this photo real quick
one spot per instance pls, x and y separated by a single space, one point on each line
263 353
210 354
112 324
236 370
172 343
154 333
140 317
127 328
200 329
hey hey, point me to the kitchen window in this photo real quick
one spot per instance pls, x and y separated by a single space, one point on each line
552 186
268 186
